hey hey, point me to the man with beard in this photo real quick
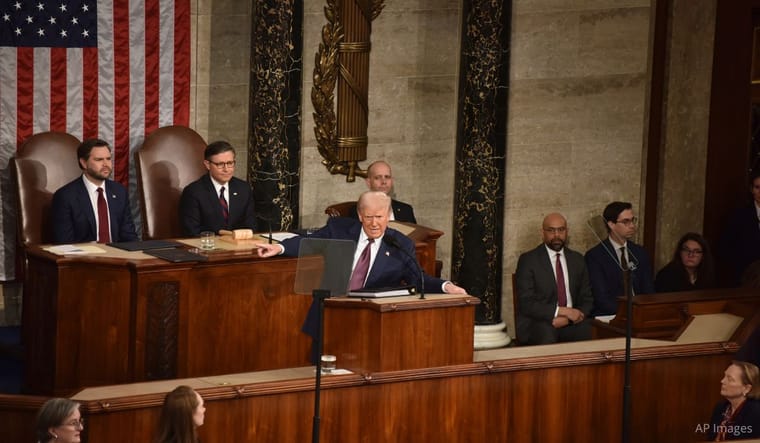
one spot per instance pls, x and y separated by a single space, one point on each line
92 207
553 290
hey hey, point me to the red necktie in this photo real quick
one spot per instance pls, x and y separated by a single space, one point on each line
104 233
225 207
362 268
561 291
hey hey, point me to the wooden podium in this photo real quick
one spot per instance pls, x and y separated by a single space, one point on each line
666 315
399 333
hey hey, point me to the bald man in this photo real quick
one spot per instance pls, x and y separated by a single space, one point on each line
380 178
553 289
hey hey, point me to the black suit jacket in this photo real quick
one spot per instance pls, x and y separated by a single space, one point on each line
537 287
740 242
74 219
607 277
746 423
392 267
402 212
200 210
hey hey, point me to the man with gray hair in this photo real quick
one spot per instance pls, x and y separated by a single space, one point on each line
388 265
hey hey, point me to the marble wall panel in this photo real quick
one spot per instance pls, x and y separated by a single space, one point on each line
231 37
683 162
548 6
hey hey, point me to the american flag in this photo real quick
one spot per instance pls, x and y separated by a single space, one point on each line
112 69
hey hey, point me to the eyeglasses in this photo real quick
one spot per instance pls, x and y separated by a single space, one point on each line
222 165
628 221
75 423
555 230
691 252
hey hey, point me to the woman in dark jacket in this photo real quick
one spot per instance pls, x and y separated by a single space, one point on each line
691 267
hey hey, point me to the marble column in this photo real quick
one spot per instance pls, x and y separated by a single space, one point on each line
274 141
480 154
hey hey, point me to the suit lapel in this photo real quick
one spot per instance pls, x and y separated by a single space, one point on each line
547 267
212 200
85 202
236 205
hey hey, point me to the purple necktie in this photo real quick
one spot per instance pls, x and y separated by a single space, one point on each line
561 291
362 268
104 234
225 207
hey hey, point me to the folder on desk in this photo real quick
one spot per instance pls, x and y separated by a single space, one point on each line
176 255
144 245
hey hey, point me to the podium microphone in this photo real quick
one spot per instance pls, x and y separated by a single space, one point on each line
390 241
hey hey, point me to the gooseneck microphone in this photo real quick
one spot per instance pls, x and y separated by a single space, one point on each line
390 241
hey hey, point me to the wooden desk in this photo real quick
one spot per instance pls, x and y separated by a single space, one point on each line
125 317
665 315
122 317
399 333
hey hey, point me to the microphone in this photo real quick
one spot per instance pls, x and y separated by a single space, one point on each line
391 241
633 264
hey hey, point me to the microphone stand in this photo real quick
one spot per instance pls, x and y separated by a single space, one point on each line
319 297
627 293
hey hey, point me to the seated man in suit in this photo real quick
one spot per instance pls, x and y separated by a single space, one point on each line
92 207
553 289
217 200
606 261
379 178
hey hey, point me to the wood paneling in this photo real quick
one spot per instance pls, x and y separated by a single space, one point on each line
93 321
400 333
553 398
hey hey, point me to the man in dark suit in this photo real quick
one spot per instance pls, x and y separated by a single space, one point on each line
92 207
553 290
387 263
379 178
739 245
388 266
217 200
605 261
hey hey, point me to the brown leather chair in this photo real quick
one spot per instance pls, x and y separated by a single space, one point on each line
45 162
169 159
340 209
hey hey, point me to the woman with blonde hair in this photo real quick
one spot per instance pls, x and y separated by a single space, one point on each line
181 415
738 416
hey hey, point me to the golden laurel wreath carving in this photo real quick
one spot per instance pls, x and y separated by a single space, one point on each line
325 75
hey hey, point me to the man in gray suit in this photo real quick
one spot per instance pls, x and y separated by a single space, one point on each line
553 290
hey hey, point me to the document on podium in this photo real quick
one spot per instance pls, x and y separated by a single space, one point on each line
382 292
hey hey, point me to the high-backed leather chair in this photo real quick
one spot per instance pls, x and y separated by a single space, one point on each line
169 159
340 209
45 162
